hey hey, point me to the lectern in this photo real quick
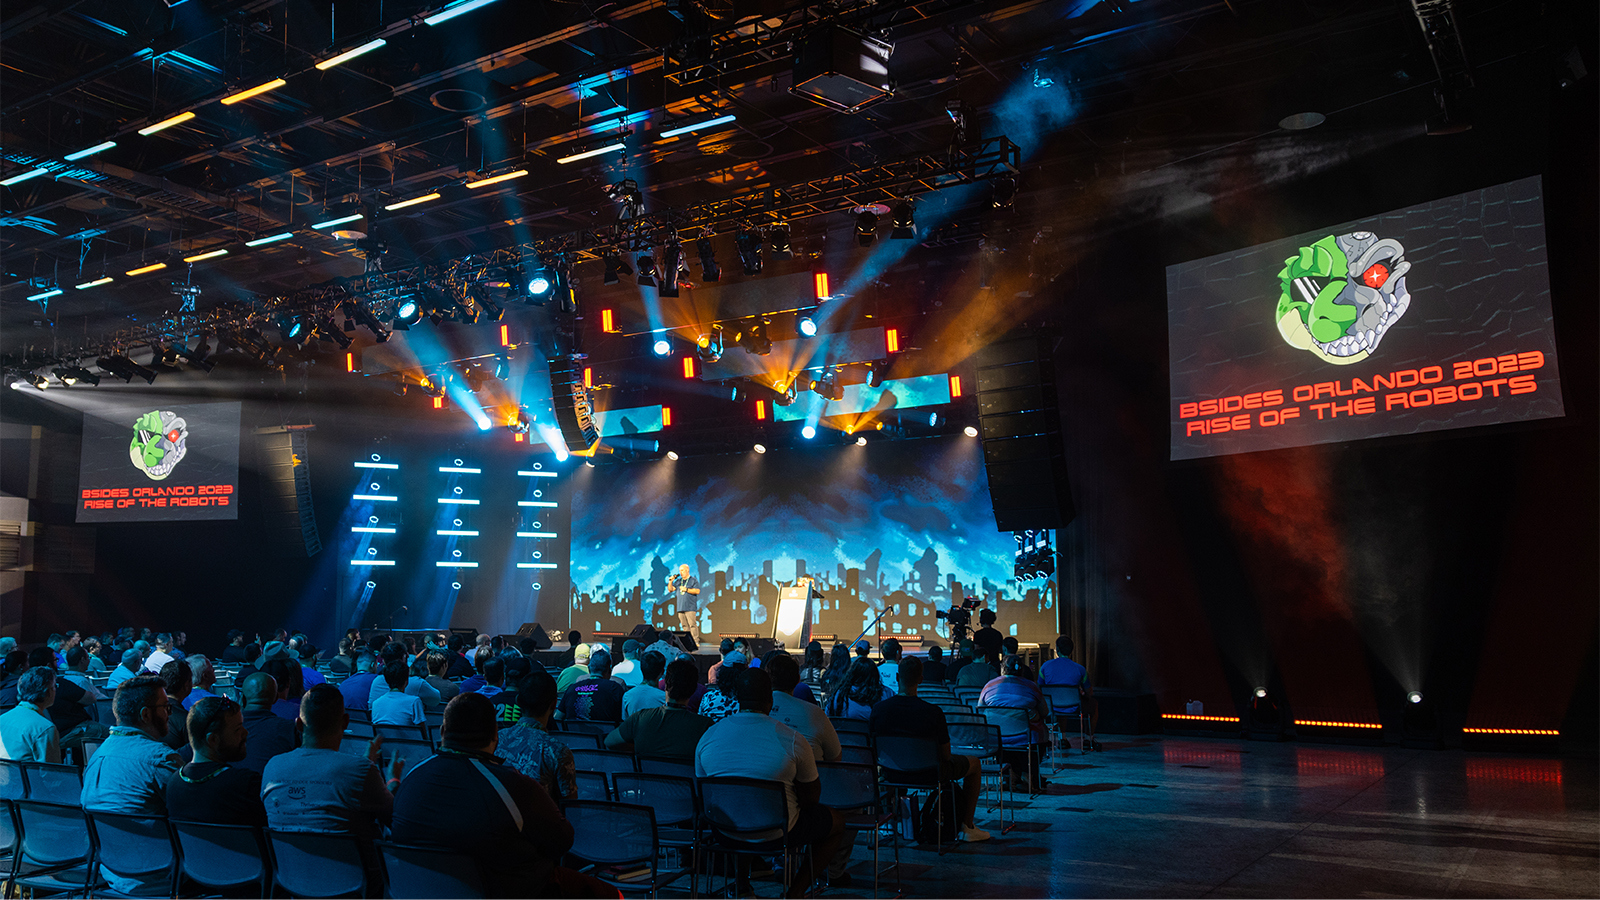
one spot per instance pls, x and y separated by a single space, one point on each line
792 625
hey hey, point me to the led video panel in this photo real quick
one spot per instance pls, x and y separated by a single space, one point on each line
158 460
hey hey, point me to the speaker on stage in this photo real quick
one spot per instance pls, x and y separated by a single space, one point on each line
1019 422
683 640
541 639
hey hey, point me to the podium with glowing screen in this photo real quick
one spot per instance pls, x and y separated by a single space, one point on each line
791 627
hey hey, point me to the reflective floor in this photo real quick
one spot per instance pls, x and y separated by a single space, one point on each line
1194 817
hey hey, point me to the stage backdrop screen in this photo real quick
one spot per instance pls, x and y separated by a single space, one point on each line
159 460
902 524
1432 317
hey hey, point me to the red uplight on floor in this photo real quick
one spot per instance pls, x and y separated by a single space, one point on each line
892 338
588 377
666 416
438 403
822 286
688 367
761 409
955 386
608 321
505 335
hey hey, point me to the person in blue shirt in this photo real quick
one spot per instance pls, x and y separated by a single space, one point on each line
1064 671
685 591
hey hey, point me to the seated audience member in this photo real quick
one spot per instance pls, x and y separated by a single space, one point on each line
128 668
933 666
528 747
205 678
1063 671
862 648
720 699
438 664
358 687
160 656
286 672
343 662
982 670
742 645
252 652
838 669
570 655
459 666
907 715
179 681
270 733
73 711
27 733
889 669
752 744
1014 694
94 647
646 695
814 664
392 652
670 732
801 690
397 707
666 645
578 670
130 772
480 656
960 655
628 671
861 690
806 718
723 649
517 835
596 698
208 789
234 652
315 788
1009 646
494 678
302 651
486 643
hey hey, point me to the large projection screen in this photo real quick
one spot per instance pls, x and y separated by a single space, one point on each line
1427 318
159 460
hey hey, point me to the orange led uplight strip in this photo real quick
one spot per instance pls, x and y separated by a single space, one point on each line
1549 732
1200 718
1323 724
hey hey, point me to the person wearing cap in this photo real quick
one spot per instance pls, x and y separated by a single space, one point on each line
862 648
576 672
627 671
596 698
723 649
131 663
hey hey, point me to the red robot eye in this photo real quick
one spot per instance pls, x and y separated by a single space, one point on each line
172 436
1376 275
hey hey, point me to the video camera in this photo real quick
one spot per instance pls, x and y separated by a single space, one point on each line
959 617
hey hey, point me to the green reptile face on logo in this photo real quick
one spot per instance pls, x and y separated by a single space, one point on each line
160 441
1342 294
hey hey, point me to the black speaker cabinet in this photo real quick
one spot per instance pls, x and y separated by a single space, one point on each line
571 402
541 639
1019 423
842 69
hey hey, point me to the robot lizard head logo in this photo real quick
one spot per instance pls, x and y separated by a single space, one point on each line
160 440
1342 294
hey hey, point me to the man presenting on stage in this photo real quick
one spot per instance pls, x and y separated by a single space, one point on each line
685 589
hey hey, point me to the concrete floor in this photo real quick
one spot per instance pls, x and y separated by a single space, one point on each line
1195 817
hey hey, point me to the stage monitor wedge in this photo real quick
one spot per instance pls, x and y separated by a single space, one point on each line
1019 423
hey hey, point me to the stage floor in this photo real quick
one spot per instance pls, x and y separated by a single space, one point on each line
1193 817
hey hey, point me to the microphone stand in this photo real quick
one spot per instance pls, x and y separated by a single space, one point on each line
886 611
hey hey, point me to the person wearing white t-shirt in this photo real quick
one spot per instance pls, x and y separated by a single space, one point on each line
752 744
161 656
396 707
646 695
628 671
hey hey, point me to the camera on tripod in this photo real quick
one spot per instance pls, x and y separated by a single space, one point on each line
959 617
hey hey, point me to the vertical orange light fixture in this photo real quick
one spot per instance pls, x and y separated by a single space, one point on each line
688 367
955 386
666 417
349 361
588 377
608 322
761 409
438 403
505 335
891 338
822 285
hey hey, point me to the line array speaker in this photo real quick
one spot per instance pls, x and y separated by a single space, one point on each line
1019 423
291 522
571 401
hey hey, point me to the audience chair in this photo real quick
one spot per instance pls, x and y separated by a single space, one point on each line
1015 726
354 744
360 715
613 835
54 850
855 739
677 811
607 762
9 836
842 725
911 765
587 726
852 790
579 740
982 740
738 810
224 858
861 756
317 865
134 846
434 719
404 733
423 872
1064 697
592 785
103 713
360 729
86 751
53 783
665 767
13 785
969 695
